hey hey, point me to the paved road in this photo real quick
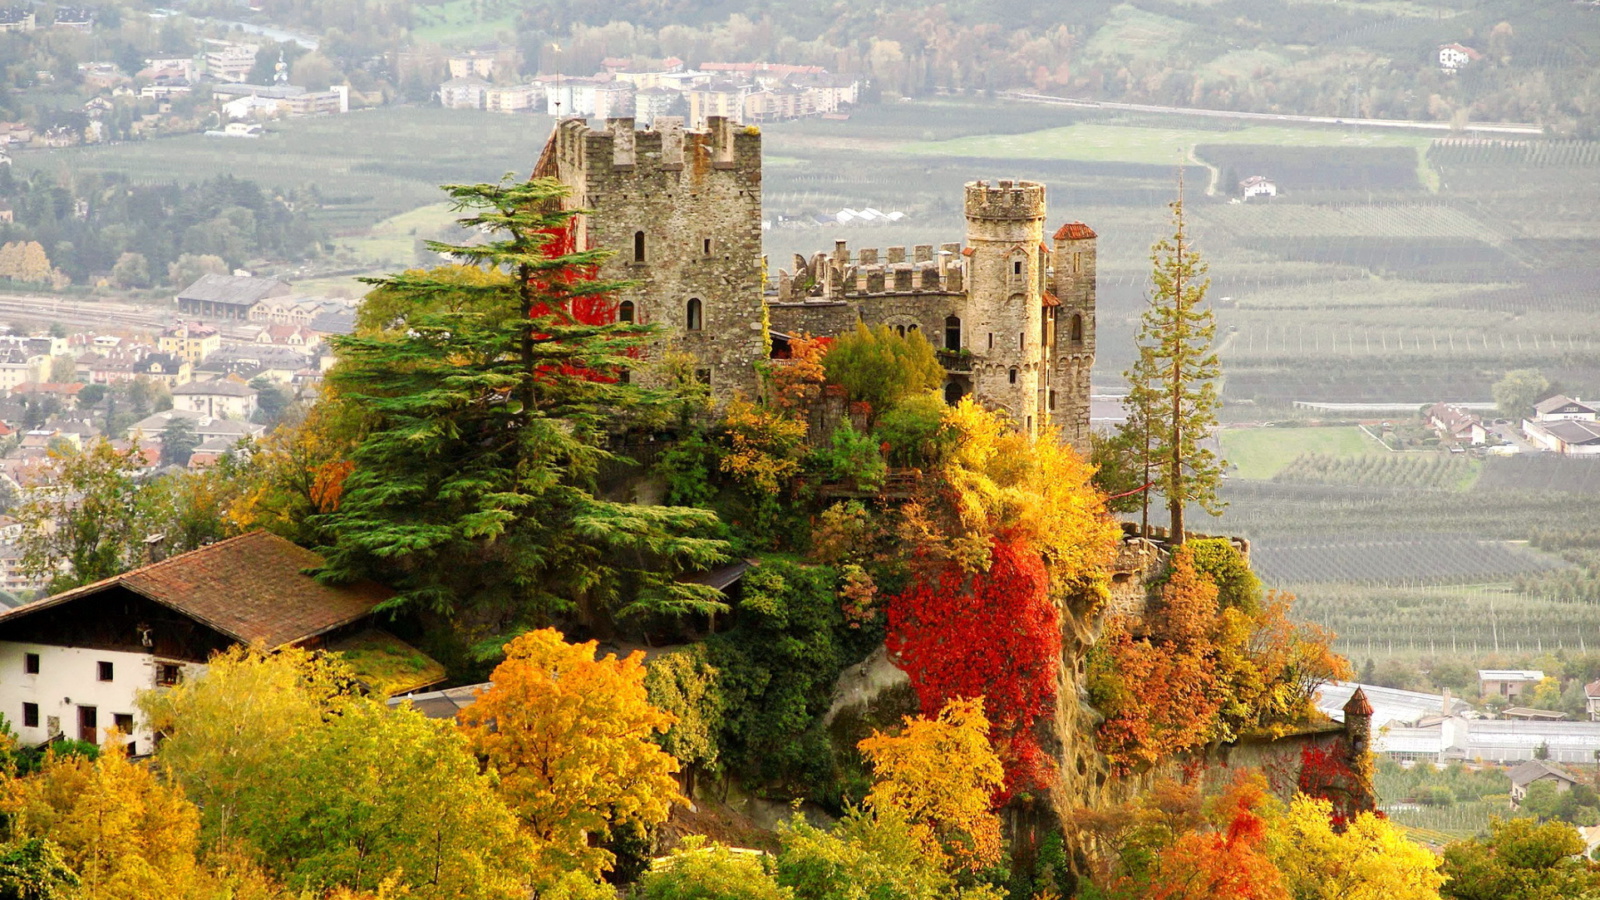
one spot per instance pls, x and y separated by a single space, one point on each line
1472 127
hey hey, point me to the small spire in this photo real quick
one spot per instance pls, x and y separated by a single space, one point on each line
1357 705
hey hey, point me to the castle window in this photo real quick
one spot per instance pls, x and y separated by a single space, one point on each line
991 340
705 246
1077 263
1022 338
1016 267
625 311
638 246
912 328
1052 399
952 333
694 321
900 330
1013 376
953 393
1077 328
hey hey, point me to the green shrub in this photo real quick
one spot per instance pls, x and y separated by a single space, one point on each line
879 368
913 429
699 872
854 458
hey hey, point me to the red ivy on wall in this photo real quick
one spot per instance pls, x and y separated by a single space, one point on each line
994 635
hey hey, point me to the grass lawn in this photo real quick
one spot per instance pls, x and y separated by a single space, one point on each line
1260 453
1164 146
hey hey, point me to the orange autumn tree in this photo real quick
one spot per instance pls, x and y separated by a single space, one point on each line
569 738
1193 670
939 774
1227 863
1158 690
1010 544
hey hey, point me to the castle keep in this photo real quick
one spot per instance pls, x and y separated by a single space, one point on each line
1012 315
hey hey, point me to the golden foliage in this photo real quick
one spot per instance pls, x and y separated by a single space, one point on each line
765 447
940 775
1370 860
997 483
123 832
569 737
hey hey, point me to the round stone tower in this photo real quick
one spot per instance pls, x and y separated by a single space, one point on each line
1005 272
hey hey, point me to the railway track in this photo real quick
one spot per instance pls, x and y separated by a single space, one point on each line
81 313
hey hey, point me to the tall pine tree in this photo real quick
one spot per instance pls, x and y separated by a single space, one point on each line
1172 385
473 490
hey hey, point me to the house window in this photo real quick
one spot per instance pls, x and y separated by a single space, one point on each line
30 715
30 663
1077 328
167 674
625 311
638 246
123 722
1013 376
952 333
105 670
694 320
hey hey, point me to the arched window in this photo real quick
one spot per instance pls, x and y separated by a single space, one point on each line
1013 376
1077 328
913 328
952 333
953 393
638 246
625 311
900 330
694 320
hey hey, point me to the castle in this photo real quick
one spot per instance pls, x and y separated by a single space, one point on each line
1013 317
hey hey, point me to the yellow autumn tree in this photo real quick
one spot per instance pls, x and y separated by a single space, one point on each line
997 484
569 738
941 774
124 833
1370 860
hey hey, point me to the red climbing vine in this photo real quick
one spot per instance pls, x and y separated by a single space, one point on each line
994 634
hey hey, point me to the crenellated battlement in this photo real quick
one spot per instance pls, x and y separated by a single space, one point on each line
845 275
619 148
1005 200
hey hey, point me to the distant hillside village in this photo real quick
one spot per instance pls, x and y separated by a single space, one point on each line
238 352
645 90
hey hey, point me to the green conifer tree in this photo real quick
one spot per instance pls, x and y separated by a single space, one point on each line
473 487
1173 380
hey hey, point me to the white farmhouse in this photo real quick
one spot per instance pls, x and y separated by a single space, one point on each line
73 665
1453 57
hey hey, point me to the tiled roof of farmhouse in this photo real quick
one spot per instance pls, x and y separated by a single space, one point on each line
250 588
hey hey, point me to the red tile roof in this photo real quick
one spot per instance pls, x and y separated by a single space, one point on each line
1075 231
1358 704
1050 299
250 588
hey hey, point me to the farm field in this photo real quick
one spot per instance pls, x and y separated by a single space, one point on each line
1378 559
1421 471
1260 453
1097 142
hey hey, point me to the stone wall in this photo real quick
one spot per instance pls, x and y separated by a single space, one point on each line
681 211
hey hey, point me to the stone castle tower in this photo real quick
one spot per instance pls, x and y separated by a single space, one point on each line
682 212
1012 317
